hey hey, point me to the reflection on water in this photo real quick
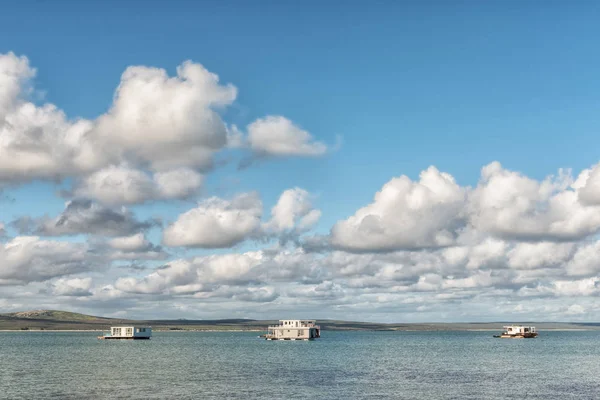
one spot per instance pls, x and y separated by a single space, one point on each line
211 365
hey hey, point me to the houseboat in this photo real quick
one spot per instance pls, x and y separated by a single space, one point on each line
293 329
518 332
128 332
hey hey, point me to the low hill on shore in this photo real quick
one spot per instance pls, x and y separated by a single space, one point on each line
64 320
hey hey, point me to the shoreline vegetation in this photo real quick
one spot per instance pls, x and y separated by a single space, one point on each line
54 320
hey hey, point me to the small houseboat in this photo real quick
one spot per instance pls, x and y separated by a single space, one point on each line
128 332
293 329
518 332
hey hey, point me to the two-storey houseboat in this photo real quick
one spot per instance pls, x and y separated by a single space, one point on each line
518 332
128 332
293 329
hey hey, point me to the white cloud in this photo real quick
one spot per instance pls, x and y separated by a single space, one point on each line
436 212
406 215
216 223
27 259
488 253
539 255
278 136
116 185
14 73
293 212
588 185
168 122
219 223
585 261
135 248
135 242
510 205
86 217
38 141
263 294
178 183
583 287
201 274
575 309
72 287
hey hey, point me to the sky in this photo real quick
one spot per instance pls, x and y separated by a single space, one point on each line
431 161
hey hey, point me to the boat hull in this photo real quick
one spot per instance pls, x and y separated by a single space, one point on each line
520 336
122 338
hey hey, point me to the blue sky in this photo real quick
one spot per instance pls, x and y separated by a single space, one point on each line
404 85
452 84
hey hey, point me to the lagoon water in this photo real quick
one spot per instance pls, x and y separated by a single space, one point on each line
340 365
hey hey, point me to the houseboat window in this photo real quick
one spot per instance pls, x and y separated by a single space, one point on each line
129 331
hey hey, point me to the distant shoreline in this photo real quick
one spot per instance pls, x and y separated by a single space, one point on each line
332 330
154 330
66 321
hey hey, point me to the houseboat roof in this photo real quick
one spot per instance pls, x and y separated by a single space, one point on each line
299 320
518 326
132 326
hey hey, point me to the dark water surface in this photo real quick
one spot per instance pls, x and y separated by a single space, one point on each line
341 365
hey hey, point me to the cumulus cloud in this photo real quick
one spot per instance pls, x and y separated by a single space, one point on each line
263 294
72 287
134 248
117 185
428 248
585 260
27 259
406 215
178 183
219 223
85 217
293 212
38 141
201 274
582 287
489 277
168 122
538 255
216 223
245 277
14 73
588 185
510 205
278 136
437 212
135 242
494 271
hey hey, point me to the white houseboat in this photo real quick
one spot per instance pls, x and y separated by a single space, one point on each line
293 329
128 332
518 332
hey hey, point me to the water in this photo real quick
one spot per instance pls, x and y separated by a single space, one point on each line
341 365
